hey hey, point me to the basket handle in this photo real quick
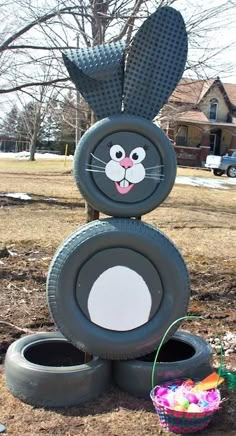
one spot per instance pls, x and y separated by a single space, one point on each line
163 339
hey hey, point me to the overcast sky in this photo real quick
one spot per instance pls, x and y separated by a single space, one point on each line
224 36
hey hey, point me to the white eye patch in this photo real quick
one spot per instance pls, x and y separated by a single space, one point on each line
117 152
137 155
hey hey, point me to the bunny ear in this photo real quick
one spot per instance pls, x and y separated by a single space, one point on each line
98 74
156 63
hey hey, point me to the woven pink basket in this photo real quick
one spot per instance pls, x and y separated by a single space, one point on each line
178 421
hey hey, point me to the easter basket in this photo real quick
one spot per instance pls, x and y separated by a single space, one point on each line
180 421
183 420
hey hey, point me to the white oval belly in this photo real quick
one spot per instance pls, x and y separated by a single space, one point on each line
119 300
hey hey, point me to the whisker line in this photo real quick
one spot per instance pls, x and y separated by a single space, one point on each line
95 157
95 166
95 171
157 166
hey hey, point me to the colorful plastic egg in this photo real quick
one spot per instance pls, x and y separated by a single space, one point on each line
212 396
165 402
161 391
194 408
179 408
183 402
192 398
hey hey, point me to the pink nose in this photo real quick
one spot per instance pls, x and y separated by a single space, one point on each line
126 163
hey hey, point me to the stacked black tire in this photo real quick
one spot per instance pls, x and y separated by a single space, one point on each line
116 285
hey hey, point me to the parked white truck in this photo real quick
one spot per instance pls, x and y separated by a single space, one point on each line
222 164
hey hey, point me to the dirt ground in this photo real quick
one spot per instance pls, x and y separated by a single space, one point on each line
200 221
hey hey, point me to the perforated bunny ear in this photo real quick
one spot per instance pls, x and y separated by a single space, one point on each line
155 63
97 73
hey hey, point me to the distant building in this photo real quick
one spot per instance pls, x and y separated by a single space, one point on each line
200 119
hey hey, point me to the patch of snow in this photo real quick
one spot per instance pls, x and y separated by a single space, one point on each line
205 182
24 155
18 195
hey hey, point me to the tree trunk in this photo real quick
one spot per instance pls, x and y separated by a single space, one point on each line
33 143
91 214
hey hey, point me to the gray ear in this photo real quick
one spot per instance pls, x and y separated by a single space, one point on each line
97 73
155 63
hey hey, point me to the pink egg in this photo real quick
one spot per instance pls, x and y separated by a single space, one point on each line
212 396
161 391
164 402
192 399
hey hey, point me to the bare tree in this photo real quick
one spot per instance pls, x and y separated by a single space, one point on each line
33 40
35 108
38 35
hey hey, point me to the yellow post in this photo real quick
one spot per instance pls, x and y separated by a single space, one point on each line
66 150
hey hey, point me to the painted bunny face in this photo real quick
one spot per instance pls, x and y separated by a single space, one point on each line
126 170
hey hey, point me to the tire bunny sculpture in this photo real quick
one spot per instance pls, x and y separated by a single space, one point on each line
115 285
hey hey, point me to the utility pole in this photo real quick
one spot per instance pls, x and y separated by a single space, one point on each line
91 214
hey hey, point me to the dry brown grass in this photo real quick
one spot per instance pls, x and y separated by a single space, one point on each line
37 166
200 221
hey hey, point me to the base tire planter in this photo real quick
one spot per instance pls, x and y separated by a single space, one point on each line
44 369
184 355
114 287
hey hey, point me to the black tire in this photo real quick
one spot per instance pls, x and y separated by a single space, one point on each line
184 355
231 172
44 369
217 172
104 186
115 326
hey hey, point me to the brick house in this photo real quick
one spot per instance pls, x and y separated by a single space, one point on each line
200 119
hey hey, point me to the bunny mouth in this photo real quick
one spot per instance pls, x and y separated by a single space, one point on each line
124 186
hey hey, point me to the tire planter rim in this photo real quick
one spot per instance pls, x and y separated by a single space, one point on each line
134 376
114 204
185 338
63 274
51 368
48 385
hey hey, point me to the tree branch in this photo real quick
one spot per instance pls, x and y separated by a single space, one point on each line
39 20
27 85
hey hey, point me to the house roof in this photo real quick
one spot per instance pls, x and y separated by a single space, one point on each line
190 91
230 89
193 116
198 117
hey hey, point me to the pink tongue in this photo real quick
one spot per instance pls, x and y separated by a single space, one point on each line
123 190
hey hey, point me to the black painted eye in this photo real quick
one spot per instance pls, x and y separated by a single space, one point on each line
138 154
118 154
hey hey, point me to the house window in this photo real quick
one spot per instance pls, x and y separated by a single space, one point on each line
213 109
182 135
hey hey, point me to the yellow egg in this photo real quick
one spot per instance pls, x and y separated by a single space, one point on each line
194 408
180 408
